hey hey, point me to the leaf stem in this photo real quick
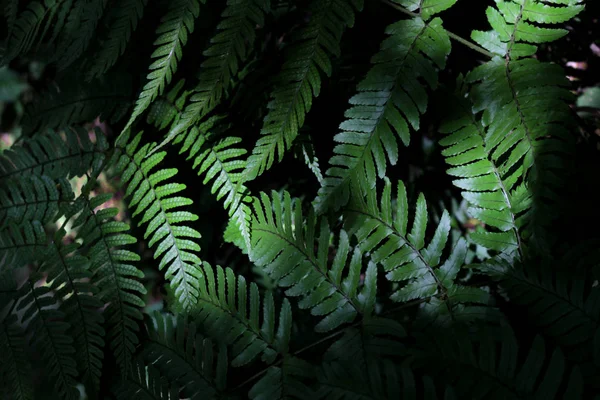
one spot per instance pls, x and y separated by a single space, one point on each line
454 36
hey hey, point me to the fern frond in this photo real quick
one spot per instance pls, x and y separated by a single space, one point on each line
300 80
221 163
490 364
33 198
562 303
283 244
89 14
146 383
154 201
172 33
55 156
180 353
389 96
68 275
71 103
103 241
384 380
426 8
21 244
167 110
235 319
123 22
15 369
489 189
285 381
11 10
39 312
527 120
382 231
228 49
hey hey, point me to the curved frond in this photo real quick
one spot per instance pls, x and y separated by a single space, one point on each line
300 80
33 198
382 231
21 244
117 279
146 383
68 104
173 31
68 275
526 116
15 369
180 353
490 365
232 316
285 381
220 162
283 245
490 189
55 156
38 308
228 50
123 22
154 201
389 98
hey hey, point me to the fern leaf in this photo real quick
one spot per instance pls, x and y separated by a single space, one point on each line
15 374
494 197
381 231
228 49
146 383
123 22
20 244
166 110
38 308
562 303
68 275
491 364
89 13
51 155
285 381
299 80
527 120
283 245
220 163
172 33
103 241
388 99
154 201
181 354
33 198
237 322
70 104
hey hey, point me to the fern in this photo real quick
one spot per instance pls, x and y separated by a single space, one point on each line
88 13
236 323
32 198
492 192
285 250
154 201
123 22
167 110
103 239
68 275
19 244
278 381
483 366
54 156
389 96
15 369
228 50
38 310
179 352
66 104
220 162
146 383
299 80
526 120
172 33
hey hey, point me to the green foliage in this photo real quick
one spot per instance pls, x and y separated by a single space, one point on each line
110 276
